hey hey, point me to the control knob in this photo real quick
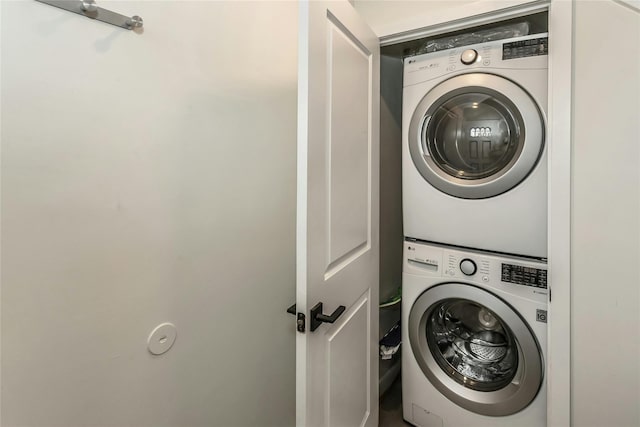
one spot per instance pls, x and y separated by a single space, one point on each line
468 267
469 56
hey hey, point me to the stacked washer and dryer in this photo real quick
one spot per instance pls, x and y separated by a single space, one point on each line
474 304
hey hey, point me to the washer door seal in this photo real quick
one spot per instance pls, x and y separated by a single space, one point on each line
468 377
476 136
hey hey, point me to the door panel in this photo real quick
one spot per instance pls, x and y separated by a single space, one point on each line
337 238
349 368
349 146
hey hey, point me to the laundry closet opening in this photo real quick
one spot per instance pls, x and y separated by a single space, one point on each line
392 235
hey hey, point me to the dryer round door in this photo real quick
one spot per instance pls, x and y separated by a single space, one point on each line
476 136
475 349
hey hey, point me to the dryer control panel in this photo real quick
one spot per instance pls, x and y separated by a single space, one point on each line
525 48
530 51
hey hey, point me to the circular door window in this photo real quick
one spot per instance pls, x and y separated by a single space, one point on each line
472 344
476 136
475 349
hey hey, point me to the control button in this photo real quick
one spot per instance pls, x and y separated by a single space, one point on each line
468 267
469 56
486 62
485 278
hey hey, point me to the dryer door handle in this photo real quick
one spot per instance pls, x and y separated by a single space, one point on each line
317 317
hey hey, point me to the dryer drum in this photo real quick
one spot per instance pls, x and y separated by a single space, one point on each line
476 136
473 135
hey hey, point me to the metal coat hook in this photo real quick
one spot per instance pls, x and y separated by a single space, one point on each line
90 9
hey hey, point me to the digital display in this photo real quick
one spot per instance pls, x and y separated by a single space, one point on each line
527 276
524 48
476 132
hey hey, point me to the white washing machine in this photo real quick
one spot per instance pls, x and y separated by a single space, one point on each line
474 157
475 337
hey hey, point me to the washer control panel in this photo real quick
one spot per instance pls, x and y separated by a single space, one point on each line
527 276
468 267
518 275
462 265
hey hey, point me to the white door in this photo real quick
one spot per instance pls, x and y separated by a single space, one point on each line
337 218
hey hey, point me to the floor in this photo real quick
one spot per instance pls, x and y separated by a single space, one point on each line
391 406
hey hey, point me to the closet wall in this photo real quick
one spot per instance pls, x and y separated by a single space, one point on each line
605 222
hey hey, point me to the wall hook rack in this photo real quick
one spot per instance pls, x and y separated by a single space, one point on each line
90 9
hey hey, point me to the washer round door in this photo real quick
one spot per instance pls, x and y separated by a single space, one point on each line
475 349
476 136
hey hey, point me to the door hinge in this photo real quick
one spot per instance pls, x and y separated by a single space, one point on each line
300 318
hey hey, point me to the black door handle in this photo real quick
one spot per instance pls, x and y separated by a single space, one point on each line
317 317
292 309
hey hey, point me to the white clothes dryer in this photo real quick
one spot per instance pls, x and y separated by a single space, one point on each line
474 327
474 157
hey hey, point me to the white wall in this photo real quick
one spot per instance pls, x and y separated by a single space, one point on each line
148 178
393 16
606 216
